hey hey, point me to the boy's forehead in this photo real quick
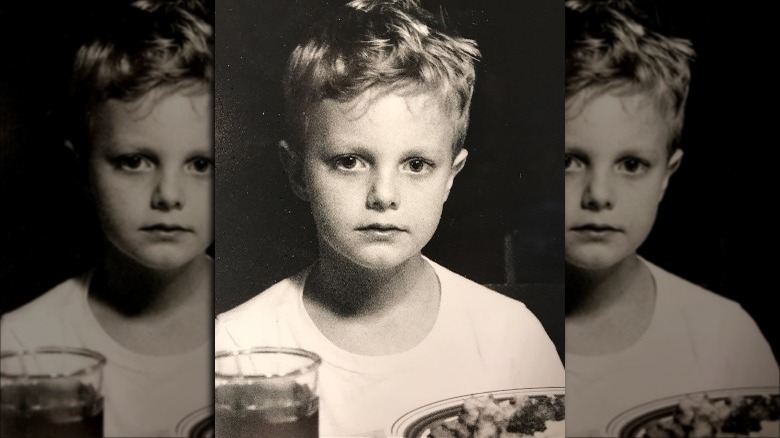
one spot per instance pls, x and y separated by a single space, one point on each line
154 119
630 99
625 119
166 102
383 118
144 104
387 108
400 101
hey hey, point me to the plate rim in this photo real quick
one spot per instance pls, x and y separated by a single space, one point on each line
619 422
184 425
399 427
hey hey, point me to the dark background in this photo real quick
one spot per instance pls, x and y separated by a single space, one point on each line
47 228
715 224
512 184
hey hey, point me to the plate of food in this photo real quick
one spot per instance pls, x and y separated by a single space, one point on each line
738 412
198 424
515 413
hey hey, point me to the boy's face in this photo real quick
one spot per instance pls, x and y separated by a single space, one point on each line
151 170
617 169
376 174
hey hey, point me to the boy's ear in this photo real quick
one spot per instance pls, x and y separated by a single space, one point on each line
293 166
457 165
671 166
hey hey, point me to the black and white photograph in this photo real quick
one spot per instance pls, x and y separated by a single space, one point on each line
389 213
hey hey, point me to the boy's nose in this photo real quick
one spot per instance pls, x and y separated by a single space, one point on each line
168 194
382 193
598 193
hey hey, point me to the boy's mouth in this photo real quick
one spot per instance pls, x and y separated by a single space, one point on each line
380 230
596 229
379 227
165 229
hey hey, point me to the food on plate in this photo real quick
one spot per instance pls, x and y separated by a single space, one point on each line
537 416
736 416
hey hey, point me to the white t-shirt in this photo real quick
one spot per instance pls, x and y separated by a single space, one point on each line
696 341
144 395
481 341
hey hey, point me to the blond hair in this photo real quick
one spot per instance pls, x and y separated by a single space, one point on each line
610 48
142 46
383 45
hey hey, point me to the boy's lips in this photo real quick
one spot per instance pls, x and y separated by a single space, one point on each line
596 228
380 230
162 228
380 227
595 231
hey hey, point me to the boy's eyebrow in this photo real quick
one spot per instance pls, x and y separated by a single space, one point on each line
206 152
417 151
576 149
123 146
632 150
346 147
143 148
359 149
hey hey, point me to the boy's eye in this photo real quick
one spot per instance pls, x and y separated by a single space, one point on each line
571 162
418 165
348 162
132 162
201 165
634 165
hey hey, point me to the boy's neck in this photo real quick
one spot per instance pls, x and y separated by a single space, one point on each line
608 310
138 292
351 291
592 291
373 313
153 312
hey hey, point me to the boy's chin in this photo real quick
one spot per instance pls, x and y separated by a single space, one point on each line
381 265
594 262
380 262
168 265
163 261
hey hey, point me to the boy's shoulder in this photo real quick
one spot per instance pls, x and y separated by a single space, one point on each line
719 329
701 308
270 301
475 297
39 322
51 302
501 327
687 293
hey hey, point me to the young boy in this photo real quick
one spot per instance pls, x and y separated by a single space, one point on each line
634 332
377 103
143 89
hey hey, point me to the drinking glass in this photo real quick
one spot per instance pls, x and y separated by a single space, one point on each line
51 392
266 392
